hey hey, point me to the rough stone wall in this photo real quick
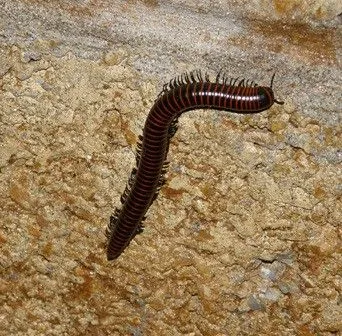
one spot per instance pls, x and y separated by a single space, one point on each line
244 238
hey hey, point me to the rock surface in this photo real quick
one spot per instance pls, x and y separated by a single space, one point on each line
244 238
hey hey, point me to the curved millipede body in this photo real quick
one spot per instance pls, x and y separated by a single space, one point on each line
187 92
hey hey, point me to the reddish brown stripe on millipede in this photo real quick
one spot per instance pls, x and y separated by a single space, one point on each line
187 92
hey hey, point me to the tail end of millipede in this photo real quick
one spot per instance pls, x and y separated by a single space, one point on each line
111 257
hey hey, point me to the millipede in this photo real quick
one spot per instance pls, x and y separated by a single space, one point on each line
187 92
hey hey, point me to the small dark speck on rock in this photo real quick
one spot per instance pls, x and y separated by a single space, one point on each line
136 332
31 56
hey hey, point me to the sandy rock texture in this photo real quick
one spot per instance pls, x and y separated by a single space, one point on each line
244 238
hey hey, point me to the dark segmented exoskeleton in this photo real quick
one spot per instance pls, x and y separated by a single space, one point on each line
187 92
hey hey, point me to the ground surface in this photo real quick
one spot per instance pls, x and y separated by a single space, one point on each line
244 238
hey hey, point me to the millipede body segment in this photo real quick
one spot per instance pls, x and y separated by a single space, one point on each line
187 92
